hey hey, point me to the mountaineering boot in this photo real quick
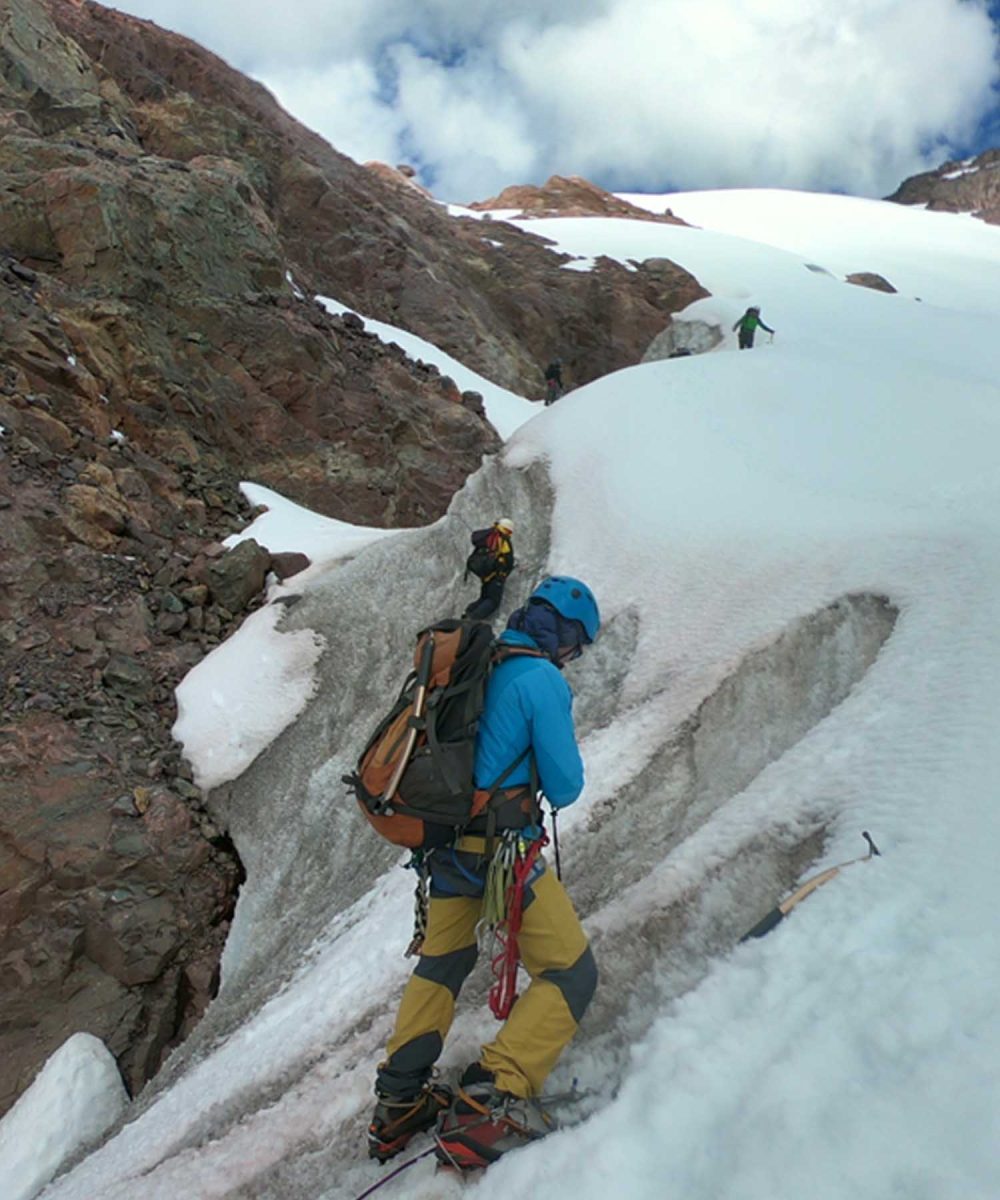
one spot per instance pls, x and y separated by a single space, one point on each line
483 1123
396 1120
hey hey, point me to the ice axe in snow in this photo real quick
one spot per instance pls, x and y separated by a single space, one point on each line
780 911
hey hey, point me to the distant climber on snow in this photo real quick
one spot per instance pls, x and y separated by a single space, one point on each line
525 747
554 387
748 324
491 560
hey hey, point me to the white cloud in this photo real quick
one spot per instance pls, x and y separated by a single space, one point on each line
342 102
297 33
631 93
464 123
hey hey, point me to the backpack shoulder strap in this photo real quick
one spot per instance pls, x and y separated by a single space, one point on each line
491 812
502 652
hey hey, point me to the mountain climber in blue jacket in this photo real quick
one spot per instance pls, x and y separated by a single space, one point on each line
526 741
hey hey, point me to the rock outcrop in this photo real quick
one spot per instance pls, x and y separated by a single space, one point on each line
871 279
399 176
971 186
495 299
569 196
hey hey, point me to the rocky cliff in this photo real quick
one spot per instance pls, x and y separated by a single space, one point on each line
971 186
369 237
155 352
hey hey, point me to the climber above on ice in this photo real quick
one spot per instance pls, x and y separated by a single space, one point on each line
554 386
491 560
525 739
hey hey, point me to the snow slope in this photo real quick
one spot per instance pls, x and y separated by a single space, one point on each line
797 556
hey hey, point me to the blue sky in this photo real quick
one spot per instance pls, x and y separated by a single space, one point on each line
987 132
645 95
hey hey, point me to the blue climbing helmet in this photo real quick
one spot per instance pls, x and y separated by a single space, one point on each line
572 600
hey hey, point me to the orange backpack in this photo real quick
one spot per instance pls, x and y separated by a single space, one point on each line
414 778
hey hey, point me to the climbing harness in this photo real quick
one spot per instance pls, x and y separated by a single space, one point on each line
508 873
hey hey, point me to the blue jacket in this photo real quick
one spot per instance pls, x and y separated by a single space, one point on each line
529 703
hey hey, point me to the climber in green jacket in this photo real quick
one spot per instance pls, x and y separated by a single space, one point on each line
747 325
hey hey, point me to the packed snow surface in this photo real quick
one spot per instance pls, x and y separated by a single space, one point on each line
285 526
797 555
74 1099
238 699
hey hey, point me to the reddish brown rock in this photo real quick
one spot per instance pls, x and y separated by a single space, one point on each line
569 196
971 186
96 518
289 563
239 575
500 308
870 279
400 176
101 912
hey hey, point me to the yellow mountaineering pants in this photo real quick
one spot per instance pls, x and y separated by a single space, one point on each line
555 953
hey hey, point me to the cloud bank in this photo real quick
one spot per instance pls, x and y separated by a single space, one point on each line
633 94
